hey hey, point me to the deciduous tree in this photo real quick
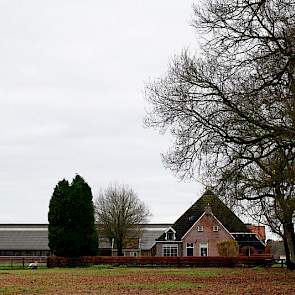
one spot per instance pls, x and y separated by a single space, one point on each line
120 213
231 110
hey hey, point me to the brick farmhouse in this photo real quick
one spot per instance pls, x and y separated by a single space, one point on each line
207 222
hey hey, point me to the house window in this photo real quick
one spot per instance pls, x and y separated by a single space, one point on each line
203 249
189 249
170 235
215 228
170 250
200 228
132 253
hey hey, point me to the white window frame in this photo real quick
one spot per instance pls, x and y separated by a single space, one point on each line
169 231
200 228
189 246
203 246
172 235
170 247
215 228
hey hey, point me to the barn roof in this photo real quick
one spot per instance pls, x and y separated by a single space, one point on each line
151 233
35 236
229 220
23 238
148 235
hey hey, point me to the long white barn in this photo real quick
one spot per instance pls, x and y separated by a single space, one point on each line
32 240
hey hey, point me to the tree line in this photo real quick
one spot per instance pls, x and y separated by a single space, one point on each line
72 216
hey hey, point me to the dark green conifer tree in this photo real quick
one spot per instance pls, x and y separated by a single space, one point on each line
58 218
83 222
71 230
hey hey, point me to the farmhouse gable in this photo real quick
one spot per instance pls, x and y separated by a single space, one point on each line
207 222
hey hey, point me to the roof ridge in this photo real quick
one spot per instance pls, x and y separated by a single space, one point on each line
220 210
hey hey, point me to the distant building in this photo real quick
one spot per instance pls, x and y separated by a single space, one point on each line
138 244
24 240
195 233
32 240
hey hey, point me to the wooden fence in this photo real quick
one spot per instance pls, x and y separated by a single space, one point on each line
263 260
15 262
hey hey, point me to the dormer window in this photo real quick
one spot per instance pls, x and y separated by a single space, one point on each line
170 235
200 228
215 228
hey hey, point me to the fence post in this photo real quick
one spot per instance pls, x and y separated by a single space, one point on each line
23 262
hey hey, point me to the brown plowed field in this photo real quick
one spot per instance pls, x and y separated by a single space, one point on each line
123 280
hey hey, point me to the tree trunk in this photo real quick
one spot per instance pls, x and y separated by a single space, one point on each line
289 243
120 247
287 252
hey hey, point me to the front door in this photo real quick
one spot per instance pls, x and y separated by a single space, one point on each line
189 249
203 249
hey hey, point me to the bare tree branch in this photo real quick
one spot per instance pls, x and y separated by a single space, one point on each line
232 110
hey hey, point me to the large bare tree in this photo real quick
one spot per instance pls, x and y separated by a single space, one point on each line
231 109
120 213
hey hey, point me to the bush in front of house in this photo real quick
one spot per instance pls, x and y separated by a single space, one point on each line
228 248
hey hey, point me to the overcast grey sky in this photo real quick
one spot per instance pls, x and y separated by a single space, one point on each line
72 79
